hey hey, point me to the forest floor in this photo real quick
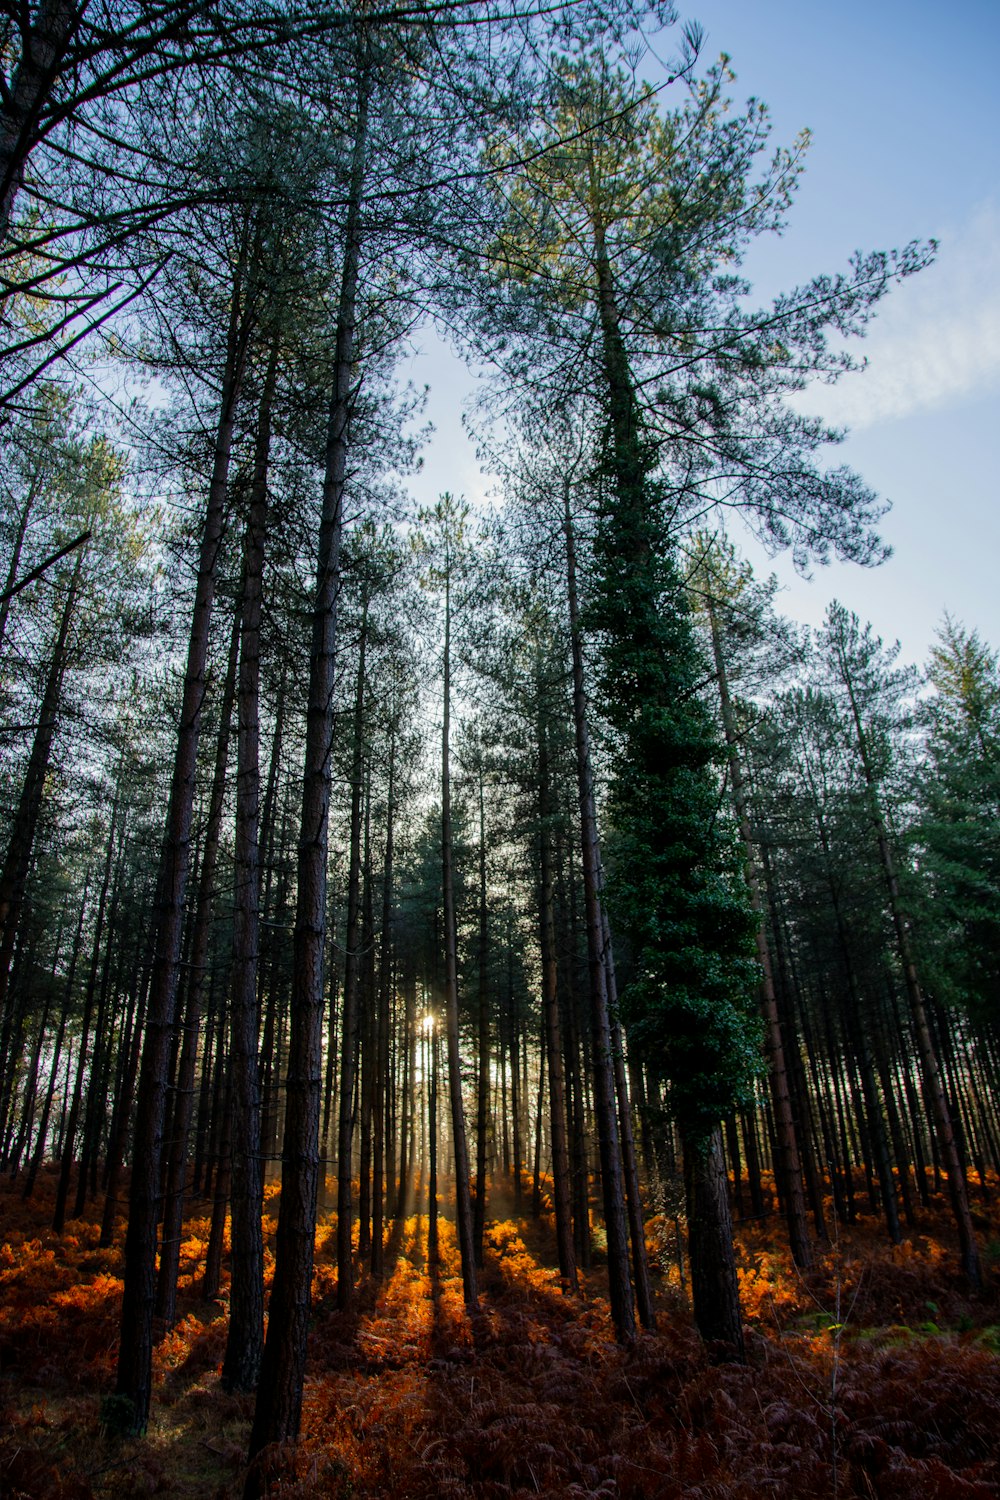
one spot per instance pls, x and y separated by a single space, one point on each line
874 1375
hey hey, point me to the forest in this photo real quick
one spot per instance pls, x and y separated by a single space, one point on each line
488 1005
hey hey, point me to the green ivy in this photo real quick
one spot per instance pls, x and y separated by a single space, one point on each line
676 889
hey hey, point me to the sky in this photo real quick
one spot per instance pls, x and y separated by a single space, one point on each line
902 101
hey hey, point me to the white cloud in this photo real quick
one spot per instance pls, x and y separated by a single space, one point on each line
937 339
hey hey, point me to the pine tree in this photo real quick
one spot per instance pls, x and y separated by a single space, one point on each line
864 673
957 831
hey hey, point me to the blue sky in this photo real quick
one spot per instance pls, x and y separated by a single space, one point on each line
902 102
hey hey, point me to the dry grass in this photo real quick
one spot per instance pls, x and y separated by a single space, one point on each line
875 1375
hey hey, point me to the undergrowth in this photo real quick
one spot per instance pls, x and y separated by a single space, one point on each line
875 1374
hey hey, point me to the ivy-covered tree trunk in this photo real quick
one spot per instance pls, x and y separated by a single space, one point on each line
691 929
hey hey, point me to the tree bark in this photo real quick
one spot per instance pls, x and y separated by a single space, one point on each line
463 1199
23 1138
352 989
43 1127
366 1033
383 1091
135 1350
17 860
636 1228
933 1085
131 1046
612 1182
483 1028
15 557
710 1236
173 1208
278 1409
550 1004
44 50
788 1164
872 1113
69 1139
105 1030
245 1340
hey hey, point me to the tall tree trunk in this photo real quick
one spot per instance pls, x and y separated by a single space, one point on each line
176 1178
43 1127
483 1059
633 521
408 1137
788 1163
278 1409
267 972
15 557
933 1084
430 1040
536 1175
245 1340
216 1087
330 1079
17 860
69 1140
46 39
352 990
12 1031
96 1114
366 1034
710 1232
131 1048
857 1029
576 1108
612 1180
273 986
220 1199
550 1003
383 1091
517 1145
133 1386
26 1122
463 1199
636 1228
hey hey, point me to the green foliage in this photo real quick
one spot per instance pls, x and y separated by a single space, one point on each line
675 887
957 830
